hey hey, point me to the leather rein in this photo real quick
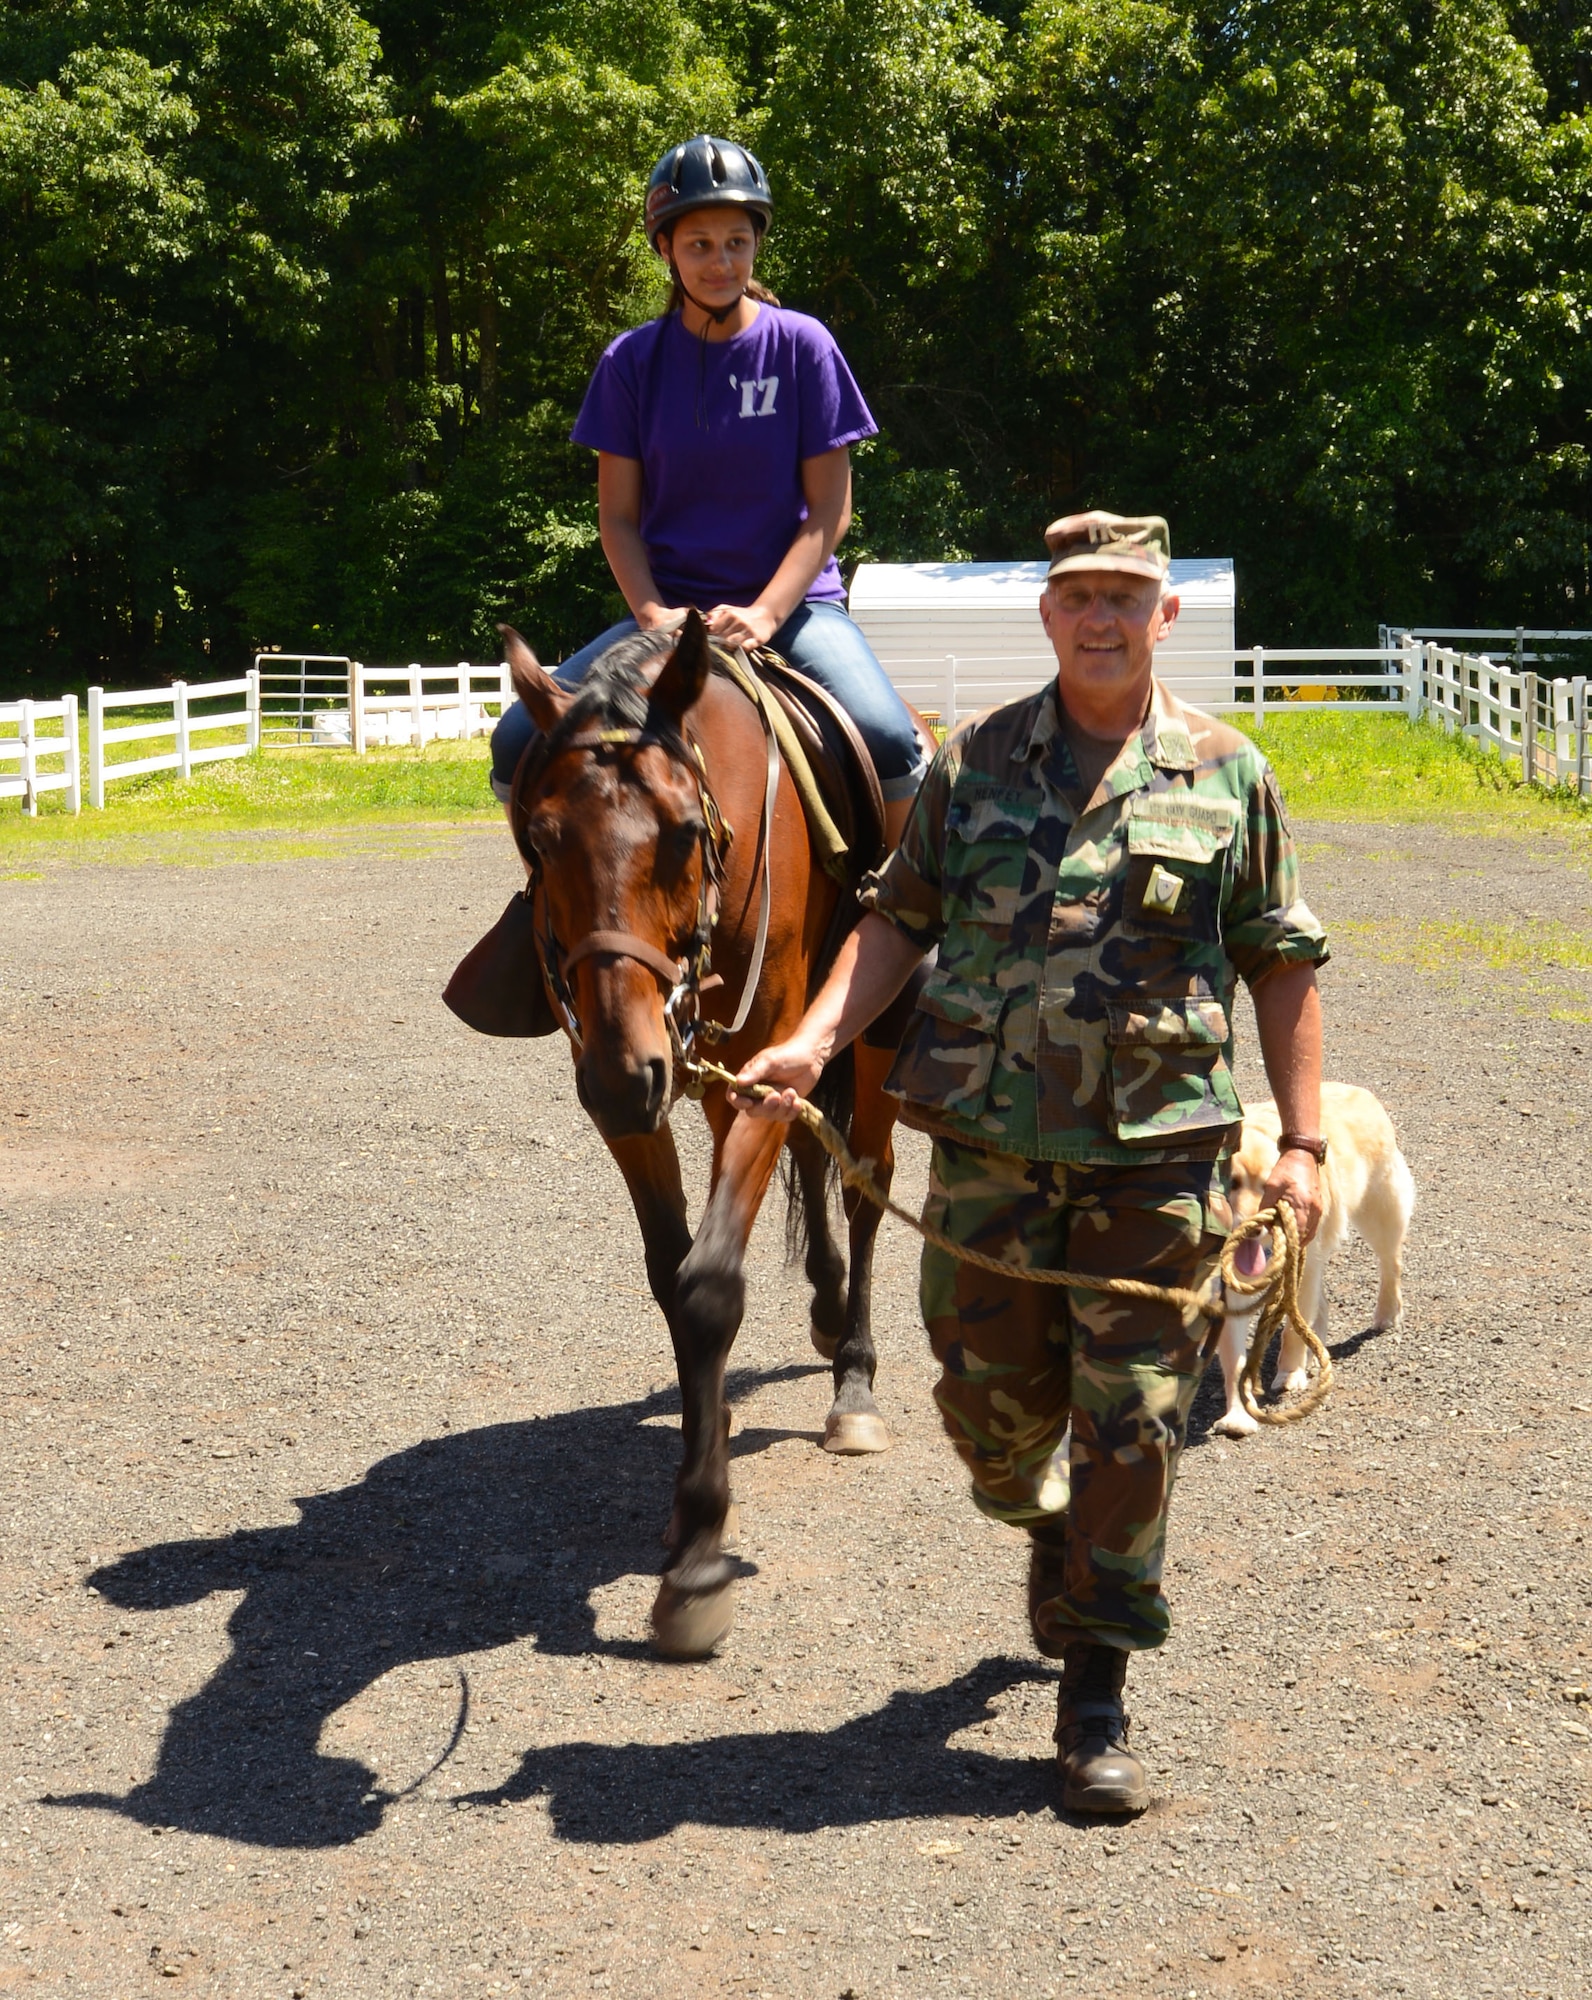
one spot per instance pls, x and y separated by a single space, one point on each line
687 978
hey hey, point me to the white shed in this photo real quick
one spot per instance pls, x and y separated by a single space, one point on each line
959 637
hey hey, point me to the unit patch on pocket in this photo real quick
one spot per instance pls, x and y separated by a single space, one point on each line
1162 891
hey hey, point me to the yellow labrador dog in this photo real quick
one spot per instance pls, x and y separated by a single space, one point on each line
1365 1184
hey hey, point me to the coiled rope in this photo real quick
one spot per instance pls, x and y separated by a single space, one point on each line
1275 1286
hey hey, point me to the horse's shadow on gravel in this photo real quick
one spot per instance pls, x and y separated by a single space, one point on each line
458 1545
894 1763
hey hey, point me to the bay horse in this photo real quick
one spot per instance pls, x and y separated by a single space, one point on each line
662 828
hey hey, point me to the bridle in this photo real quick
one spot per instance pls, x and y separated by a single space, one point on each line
687 978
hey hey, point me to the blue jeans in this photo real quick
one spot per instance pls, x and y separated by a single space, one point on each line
819 640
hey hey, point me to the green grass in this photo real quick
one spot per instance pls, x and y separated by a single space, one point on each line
1331 766
1528 945
1532 950
255 805
1385 767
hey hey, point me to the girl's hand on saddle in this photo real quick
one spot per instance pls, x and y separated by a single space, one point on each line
790 1069
742 624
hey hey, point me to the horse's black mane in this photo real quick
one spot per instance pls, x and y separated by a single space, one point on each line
612 694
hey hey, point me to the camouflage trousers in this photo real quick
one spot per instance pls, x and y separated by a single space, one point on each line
1070 1407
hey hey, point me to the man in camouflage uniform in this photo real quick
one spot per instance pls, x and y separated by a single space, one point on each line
1097 866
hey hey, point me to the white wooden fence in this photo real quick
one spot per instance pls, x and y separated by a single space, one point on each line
184 728
418 704
1540 723
1525 645
31 744
328 701
285 699
1525 717
957 685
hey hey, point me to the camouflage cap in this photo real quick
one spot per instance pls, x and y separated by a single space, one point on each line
1138 545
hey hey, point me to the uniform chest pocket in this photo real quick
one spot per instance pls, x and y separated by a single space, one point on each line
948 1050
1172 885
987 834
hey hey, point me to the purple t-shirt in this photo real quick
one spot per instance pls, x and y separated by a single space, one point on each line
721 428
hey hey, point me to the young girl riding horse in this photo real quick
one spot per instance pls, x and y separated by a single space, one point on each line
723 433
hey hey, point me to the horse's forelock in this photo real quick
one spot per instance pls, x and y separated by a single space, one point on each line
615 691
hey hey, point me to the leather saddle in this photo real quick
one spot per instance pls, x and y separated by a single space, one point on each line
837 757
842 768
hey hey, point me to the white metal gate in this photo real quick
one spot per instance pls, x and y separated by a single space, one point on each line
305 699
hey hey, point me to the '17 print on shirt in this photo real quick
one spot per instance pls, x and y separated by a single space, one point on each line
752 388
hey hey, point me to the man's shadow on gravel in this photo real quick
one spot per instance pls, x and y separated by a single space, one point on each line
457 1545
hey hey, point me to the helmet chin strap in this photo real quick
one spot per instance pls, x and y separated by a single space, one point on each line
718 314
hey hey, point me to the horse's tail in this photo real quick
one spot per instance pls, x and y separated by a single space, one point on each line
834 1096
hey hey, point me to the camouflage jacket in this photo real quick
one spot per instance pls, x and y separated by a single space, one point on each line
1089 948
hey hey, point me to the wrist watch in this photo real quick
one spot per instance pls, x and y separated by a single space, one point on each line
1300 1142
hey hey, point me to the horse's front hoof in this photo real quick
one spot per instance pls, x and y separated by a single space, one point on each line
855 1433
688 1624
828 1345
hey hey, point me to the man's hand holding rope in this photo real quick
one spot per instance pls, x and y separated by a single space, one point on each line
870 969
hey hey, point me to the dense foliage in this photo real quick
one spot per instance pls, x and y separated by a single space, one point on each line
297 298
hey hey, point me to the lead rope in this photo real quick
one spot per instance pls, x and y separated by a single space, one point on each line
1276 1286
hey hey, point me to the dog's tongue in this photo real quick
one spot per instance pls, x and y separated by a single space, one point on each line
1250 1258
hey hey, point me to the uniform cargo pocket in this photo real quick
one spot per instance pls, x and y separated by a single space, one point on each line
948 1050
1169 1076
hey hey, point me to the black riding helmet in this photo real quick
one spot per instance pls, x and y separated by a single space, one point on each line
706 173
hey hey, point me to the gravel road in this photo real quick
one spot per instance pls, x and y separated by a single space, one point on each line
338 1442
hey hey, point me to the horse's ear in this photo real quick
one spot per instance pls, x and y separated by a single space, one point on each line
541 694
685 672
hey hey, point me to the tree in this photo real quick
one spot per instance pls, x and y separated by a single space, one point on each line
172 187
299 298
875 125
1301 296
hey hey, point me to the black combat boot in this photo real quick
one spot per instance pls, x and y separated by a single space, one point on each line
1099 1773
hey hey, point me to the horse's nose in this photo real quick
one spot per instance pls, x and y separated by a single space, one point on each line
624 1099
